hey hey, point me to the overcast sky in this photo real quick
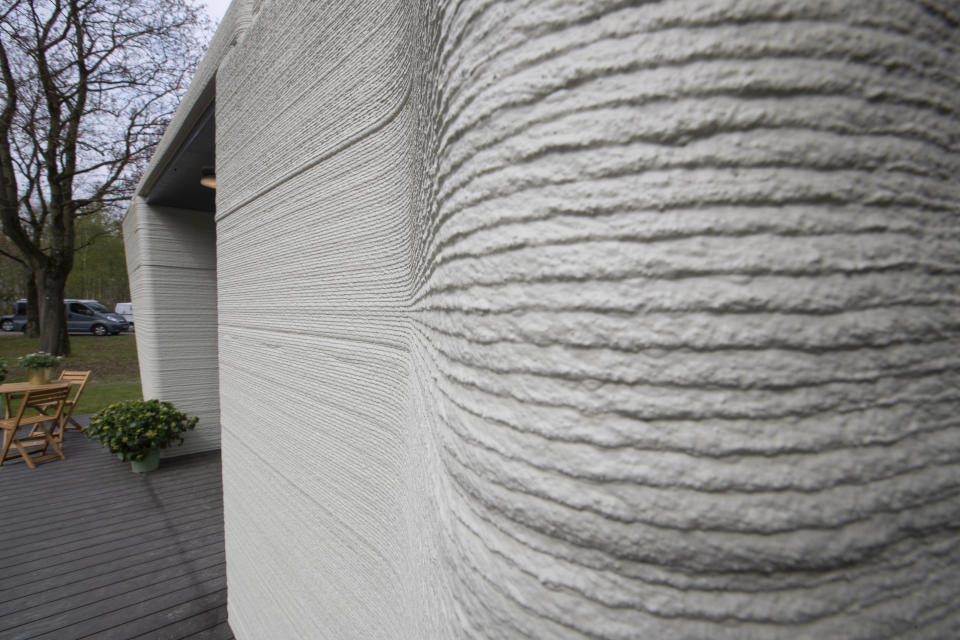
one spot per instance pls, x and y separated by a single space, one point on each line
216 8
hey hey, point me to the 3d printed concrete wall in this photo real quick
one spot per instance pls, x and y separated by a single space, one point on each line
587 319
172 263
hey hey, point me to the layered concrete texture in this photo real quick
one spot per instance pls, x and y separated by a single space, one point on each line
594 319
171 260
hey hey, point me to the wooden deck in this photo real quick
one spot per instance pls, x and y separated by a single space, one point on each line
91 550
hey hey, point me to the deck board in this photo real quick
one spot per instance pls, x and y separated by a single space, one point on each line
95 551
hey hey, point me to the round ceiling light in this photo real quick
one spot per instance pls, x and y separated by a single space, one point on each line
208 177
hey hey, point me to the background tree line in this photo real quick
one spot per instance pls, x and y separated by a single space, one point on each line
99 269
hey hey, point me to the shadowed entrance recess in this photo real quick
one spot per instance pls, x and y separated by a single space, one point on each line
95 551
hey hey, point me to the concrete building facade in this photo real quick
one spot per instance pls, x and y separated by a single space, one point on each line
569 319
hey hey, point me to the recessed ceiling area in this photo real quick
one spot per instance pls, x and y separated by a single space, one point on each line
179 184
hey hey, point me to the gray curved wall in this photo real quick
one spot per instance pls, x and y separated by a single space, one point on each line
587 319
172 264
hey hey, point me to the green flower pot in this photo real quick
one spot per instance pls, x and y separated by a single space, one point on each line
149 463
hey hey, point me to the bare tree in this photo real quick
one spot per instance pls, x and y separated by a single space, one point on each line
29 285
88 88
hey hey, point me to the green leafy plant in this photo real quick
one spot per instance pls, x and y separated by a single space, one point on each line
134 427
38 360
3 369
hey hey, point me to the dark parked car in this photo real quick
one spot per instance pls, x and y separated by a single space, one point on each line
17 320
82 316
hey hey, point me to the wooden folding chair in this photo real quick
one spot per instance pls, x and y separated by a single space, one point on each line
76 379
33 448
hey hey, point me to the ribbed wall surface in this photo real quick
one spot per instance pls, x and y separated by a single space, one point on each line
172 263
591 319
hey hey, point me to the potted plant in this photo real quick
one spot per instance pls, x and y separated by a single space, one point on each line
39 365
136 430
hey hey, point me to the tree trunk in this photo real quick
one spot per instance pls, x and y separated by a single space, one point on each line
53 321
32 328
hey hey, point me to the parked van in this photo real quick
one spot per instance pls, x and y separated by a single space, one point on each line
18 320
90 315
82 316
126 310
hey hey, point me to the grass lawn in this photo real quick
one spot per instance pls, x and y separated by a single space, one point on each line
112 359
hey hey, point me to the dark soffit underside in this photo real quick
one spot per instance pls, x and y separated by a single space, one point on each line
179 184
